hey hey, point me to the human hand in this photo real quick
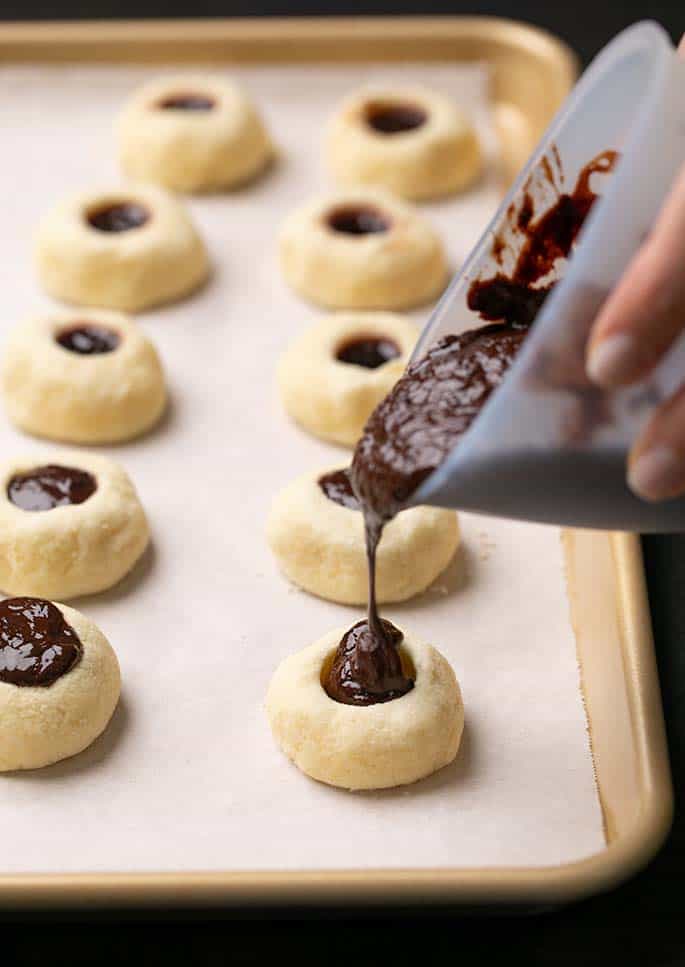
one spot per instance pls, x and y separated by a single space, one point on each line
637 325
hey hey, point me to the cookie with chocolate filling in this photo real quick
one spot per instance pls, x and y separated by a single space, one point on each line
362 249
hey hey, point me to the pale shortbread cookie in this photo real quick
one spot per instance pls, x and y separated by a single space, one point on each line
41 725
76 548
152 255
332 398
319 545
109 386
382 255
413 141
192 133
372 746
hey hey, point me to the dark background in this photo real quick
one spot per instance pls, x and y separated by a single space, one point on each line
640 923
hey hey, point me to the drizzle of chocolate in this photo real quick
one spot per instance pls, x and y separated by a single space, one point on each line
368 351
44 488
405 439
395 118
418 424
187 102
88 339
337 486
37 646
121 217
358 220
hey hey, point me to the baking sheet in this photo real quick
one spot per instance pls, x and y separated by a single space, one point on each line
187 776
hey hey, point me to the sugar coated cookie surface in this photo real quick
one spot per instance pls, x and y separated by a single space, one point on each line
334 375
413 141
369 747
89 376
59 683
192 133
362 249
71 523
316 532
128 249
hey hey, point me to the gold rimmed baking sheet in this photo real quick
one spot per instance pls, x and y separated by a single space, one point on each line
529 73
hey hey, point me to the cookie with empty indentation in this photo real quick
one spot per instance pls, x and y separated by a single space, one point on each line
192 133
127 249
362 249
90 376
316 532
71 523
397 739
333 376
411 140
59 682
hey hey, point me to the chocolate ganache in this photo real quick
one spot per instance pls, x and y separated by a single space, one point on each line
187 102
364 674
121 217
44 488
87 339
358 220
417 425
368 351
37 646
395 118
414 428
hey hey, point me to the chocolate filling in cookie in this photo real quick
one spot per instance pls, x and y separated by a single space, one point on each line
120 217
37 646
395 118
359 220
363 674
368 351
187 102
50 486
88 339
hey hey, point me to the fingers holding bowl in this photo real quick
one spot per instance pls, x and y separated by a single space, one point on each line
645 314
656 465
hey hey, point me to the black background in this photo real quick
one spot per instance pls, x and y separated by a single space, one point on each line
640 923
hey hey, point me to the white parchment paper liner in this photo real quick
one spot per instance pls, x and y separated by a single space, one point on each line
187 776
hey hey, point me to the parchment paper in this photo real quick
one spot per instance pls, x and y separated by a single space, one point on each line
187 775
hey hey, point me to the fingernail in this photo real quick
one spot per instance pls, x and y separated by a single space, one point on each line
657 473
612 359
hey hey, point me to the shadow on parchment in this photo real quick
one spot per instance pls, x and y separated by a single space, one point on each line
141 571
